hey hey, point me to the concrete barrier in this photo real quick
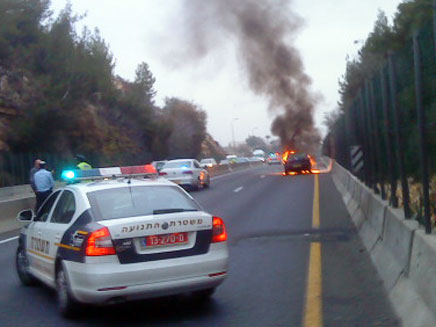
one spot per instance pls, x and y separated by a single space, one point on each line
372 232
402 253
16 191
9 210
392 254
366 196
422 269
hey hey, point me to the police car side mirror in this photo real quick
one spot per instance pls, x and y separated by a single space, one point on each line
25 216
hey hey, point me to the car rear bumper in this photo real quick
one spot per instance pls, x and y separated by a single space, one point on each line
188 180
94 283
297 166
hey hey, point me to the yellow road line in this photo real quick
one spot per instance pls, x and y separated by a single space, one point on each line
313 305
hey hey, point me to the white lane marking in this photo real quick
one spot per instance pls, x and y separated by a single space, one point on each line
8 239
262 176
240 188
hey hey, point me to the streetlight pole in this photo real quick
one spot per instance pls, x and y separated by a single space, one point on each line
233 132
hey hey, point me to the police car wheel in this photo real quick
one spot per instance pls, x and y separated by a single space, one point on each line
67 305
22 264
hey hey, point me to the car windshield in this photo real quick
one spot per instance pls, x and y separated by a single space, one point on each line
139 201
298 156
178 164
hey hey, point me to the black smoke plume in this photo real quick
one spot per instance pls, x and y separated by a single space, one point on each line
264 32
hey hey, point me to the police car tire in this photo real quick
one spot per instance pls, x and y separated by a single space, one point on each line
22 265
68 307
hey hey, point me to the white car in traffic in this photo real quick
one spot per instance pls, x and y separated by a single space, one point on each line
187 173
208 163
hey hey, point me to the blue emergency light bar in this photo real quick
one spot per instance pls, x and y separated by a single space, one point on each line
110 172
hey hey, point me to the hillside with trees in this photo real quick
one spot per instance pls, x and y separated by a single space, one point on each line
59 95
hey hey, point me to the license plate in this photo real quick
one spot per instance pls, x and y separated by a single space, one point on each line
164 240
297 166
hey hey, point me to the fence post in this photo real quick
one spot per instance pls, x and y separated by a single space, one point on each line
365 137
398 139
372 150
377 143
388 140
348 137
422 132
434 23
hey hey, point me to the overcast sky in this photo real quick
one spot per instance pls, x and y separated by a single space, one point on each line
139 30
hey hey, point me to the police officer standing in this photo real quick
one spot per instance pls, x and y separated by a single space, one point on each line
44 184
81 163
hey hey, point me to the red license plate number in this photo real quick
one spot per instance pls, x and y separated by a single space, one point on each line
165 240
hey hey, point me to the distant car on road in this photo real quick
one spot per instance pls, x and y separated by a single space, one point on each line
231 158
242 160
121 239
187 173
274 158
208 163
259 154
224 162
297 162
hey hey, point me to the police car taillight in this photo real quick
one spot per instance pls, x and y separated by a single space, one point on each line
100 243
219 233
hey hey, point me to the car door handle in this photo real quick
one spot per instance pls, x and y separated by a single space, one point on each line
39 233
58 236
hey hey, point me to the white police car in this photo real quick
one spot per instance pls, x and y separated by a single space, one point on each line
122 238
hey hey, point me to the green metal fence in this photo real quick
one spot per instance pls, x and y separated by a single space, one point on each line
393 119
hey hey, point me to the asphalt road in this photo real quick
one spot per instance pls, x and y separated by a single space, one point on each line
270 220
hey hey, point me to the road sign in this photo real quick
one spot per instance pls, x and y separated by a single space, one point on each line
356 158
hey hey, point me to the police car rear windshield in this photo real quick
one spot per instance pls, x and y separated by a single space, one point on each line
139 201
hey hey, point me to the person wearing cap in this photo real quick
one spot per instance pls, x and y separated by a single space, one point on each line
44 184
81 163
34 169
